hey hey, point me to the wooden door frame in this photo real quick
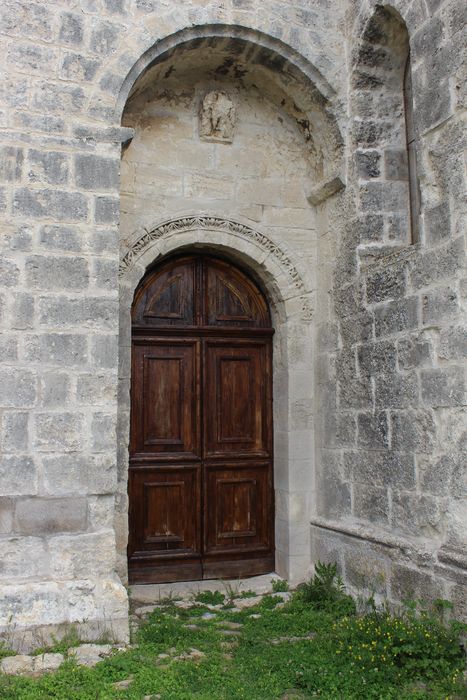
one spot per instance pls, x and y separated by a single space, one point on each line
285 286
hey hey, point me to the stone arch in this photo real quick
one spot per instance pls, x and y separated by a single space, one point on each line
286 76
289 296
381 126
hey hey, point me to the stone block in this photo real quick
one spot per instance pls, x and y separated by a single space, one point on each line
355 394
413 430
417 515
54 389
327 337
104 38
45 516
395 164
443 475
74 556
35 59
90 311
15 428
396 316
373 431
414 351
72 473
28 19
339 430
45 272
438 264
371 196
368 164
46 123
386 468
348 301
437 223
385 284
21 664
71 29
78 68
22 558
433 105
6 515
22 311
9 273
8 348
453 343
18 387
374 358
394 390
443 387
103 431
104 351
60 349
370 228
96 172
101 512
368 133
427 39
18 475
334 495
105 274
56 204
96 389
357 329
106 210
59 431
413 584
371 503
439 306
49 167
64 238
58 98
365 571
11 163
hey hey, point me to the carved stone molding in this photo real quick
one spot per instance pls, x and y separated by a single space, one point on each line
214 223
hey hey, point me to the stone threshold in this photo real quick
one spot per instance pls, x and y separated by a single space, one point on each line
152 593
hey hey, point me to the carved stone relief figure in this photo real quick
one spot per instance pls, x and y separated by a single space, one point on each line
217 117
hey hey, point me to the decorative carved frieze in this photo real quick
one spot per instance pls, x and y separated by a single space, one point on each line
214 223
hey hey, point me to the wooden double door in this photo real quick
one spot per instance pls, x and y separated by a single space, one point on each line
201 470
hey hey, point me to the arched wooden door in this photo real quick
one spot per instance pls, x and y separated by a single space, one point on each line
201 470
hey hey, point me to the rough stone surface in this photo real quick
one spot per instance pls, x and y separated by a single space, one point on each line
90 654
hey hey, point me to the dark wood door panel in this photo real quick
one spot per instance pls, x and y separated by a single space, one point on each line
200 481
165 399
231 299
164 507
237 399
167 297
238 508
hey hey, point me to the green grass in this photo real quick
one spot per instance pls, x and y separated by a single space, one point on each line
351 657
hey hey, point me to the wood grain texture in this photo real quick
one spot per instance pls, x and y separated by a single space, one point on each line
201 470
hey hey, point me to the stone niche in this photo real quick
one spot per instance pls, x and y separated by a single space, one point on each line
224 158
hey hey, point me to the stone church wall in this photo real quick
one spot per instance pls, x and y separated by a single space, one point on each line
387 332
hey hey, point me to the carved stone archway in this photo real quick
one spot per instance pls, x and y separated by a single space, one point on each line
290 298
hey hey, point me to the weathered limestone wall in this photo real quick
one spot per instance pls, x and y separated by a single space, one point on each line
391 508
388 420
60 109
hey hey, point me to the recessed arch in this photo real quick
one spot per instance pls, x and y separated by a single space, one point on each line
286 76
